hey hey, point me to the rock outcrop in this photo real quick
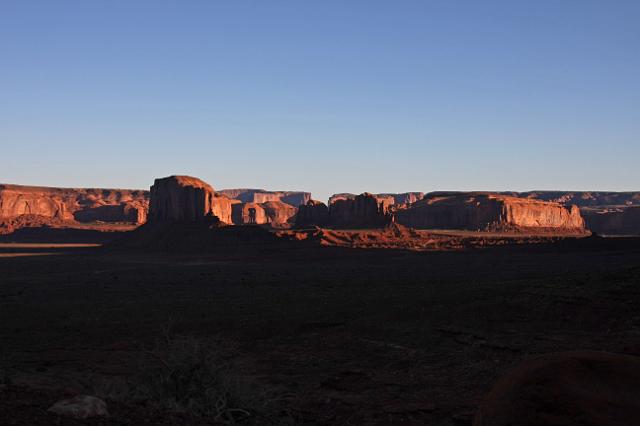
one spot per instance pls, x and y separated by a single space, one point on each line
249 214
313 213
180 199
486 211
279 214
363 211
613 221
259 196
74 204
389 198
566 389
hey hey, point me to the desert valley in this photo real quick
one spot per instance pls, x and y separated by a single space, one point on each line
183 304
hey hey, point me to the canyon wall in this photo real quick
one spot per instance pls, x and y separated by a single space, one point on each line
74 204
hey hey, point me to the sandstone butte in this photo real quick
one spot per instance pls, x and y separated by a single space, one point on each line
74 204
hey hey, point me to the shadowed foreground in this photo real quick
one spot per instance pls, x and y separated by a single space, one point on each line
336 335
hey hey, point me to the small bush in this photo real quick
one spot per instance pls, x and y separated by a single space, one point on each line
188 375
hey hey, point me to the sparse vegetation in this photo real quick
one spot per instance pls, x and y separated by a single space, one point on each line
187 374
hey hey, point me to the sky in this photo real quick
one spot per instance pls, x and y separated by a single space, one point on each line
323 96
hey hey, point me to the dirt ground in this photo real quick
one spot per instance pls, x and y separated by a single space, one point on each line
345 336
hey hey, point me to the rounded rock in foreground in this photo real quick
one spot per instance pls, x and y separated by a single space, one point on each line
80 407
566 389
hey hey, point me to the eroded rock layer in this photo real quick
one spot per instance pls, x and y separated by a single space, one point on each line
485 211
314 213
74 204
259 196
180 199
363 211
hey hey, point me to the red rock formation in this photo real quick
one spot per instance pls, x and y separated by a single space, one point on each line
222 208
279 214
314 213
613 221
180 199
566 389
69 204
363 211
483 211
249 214
246 195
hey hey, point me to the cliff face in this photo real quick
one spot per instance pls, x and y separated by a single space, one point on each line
249 214
74 204
259 196
489 212
180 199
586 198
279 214
389 198
363 211
314 213
613 221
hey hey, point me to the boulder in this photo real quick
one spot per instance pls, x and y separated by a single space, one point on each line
580 388
180 199
363 211
488 211
313 213
80 407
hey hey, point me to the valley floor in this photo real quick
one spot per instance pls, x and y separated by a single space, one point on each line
343 336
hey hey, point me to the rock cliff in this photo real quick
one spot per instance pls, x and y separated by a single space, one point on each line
279 214
486 211
180 199
249 214
363 211
74 204
313 213
613 221
246 195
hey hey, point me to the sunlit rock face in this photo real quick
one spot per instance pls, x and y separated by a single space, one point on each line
74 204
485 211
180 199
313 213
363 211
279 214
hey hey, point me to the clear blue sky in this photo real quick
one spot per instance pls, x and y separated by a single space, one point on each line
326 96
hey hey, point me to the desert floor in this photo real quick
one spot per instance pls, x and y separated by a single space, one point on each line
338 336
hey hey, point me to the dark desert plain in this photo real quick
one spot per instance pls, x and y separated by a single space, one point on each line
193 321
